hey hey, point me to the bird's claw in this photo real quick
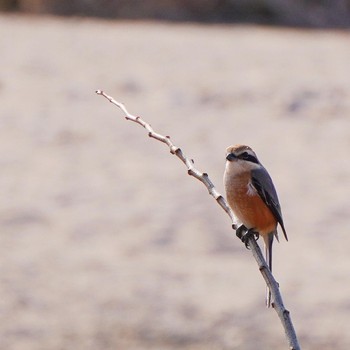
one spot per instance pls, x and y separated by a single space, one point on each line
240 231
244 234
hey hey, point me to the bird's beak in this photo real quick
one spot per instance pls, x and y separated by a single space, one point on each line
230 157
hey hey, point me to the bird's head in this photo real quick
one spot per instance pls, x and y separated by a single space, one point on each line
241 157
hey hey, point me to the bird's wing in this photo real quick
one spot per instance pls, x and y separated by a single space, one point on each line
261 180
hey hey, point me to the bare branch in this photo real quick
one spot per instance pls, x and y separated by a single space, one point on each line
191 170
277 304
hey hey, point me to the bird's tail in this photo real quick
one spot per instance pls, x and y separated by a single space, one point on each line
268 240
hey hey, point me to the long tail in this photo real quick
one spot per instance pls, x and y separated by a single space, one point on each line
268 240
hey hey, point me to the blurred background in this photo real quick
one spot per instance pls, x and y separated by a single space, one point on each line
105 242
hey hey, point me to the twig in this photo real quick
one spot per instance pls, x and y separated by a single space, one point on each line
191 170
283 314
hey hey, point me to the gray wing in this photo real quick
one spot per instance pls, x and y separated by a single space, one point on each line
267 192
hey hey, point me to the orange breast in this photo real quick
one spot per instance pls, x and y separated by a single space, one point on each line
249 208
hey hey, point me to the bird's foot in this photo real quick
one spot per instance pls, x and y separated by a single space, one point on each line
244 234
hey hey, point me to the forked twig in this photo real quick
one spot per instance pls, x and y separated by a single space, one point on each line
282 312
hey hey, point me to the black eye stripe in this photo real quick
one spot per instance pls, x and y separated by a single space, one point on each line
248 157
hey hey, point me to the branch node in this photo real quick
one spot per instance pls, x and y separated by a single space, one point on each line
286 312
177 151
173 149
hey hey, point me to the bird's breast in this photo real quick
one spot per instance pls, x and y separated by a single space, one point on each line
247 205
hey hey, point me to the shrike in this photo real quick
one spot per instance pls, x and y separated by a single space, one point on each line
253 199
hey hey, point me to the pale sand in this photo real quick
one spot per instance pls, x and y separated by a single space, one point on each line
106 243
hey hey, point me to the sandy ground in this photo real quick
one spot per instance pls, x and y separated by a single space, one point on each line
106 243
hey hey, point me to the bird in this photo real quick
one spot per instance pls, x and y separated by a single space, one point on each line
253 199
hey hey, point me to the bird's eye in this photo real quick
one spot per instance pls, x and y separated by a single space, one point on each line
244 155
